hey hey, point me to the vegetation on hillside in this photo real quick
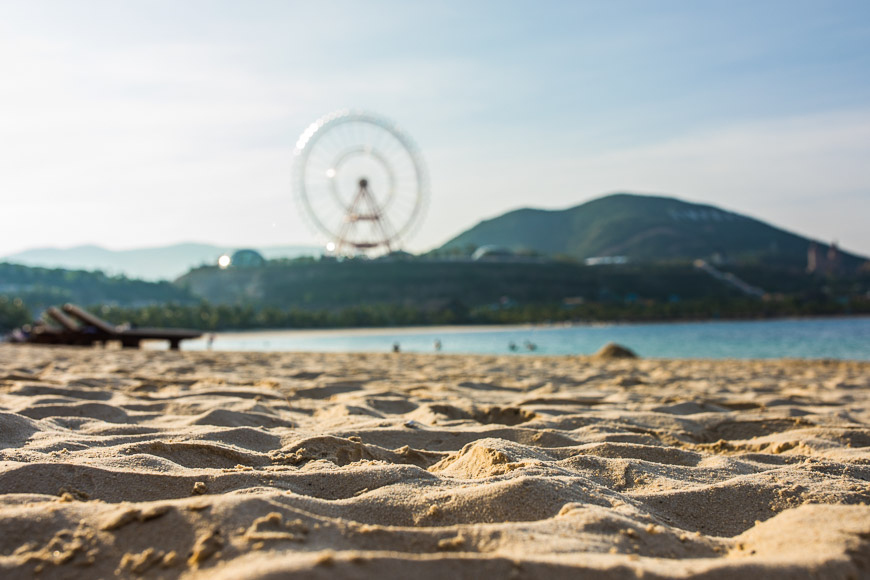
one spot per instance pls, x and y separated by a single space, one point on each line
430 285
307 293
13 313
236 317
643 228
39 288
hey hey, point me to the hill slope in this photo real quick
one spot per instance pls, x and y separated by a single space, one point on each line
42 287
643 228
326 284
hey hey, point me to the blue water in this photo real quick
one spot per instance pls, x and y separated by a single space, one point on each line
840 338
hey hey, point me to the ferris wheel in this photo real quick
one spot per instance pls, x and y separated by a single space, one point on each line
360 181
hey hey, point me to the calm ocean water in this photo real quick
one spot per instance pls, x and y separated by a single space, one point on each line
842 338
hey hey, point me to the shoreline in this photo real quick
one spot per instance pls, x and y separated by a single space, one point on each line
841 338
471 328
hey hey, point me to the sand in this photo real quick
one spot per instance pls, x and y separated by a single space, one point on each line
260 465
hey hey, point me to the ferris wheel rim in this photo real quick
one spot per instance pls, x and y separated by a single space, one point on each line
316 130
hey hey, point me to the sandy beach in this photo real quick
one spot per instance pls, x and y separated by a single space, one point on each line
263 465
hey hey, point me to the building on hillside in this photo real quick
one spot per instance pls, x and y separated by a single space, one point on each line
493 254
821 262
397 256
242 259
605 260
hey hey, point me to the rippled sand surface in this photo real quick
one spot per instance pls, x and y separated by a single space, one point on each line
222 465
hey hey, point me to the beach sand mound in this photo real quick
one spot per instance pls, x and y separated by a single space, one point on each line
613 350
252 465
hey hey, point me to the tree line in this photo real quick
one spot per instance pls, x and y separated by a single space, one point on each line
210 317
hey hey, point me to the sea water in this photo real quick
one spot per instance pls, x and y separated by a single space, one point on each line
839 338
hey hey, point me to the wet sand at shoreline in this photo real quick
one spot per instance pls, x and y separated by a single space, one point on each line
252 465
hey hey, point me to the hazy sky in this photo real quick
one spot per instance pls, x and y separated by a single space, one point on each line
141 123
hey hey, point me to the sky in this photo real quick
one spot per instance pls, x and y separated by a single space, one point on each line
144 123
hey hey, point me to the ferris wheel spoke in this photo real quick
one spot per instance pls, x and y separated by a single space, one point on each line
392 145
359 133
328 146
378 139
320 161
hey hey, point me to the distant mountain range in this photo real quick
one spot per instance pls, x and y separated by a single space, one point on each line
159 263
641 228
644 229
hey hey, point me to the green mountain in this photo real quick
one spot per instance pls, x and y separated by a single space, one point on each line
642 228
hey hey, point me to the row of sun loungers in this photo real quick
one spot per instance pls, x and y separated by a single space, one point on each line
76 326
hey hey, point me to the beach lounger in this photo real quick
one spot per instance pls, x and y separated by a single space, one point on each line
40 332
130 337
72 333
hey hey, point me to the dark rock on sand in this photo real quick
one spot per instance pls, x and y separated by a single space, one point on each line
613 350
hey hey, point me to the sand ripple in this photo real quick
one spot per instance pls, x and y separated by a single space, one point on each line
162 464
